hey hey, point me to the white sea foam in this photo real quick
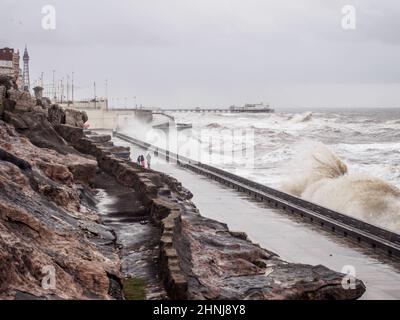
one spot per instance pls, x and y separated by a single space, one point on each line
323 178
303 117
362 196
314 161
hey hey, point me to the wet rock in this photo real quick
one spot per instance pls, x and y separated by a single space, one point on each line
40 215
227 267
15 120
56 115
238 234
20 163
69 117
75 118
100 138
84 172
57 172
97 229
70 133
121 152
38 129
23 99
63 197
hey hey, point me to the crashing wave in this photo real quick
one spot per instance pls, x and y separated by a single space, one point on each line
303 117
214 125
397 121
325 181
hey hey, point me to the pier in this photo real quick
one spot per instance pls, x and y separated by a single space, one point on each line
218 110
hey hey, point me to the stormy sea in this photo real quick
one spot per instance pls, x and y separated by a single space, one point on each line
346 160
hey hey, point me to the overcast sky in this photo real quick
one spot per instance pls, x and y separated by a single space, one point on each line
173 53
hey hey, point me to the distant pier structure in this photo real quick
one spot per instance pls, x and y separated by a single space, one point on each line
248 108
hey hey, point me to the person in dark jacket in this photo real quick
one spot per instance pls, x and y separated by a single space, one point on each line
142 161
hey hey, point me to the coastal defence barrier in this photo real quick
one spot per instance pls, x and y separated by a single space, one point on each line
376 238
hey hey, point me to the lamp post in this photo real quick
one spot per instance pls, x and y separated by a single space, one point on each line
106 97
72 99
54 87
94 91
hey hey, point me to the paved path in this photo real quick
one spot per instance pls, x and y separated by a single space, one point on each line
288 236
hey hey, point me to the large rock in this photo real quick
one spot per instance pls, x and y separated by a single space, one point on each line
31 246
100 138
75 118
9 157
69 133
38 129
23 99
56 171
44 227
228 267
70 117
15 120
84 172
56 115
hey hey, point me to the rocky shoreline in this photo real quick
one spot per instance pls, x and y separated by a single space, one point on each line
150 238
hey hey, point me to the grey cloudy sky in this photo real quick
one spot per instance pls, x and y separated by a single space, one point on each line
216 52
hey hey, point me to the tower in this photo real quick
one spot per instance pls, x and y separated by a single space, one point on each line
26 70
